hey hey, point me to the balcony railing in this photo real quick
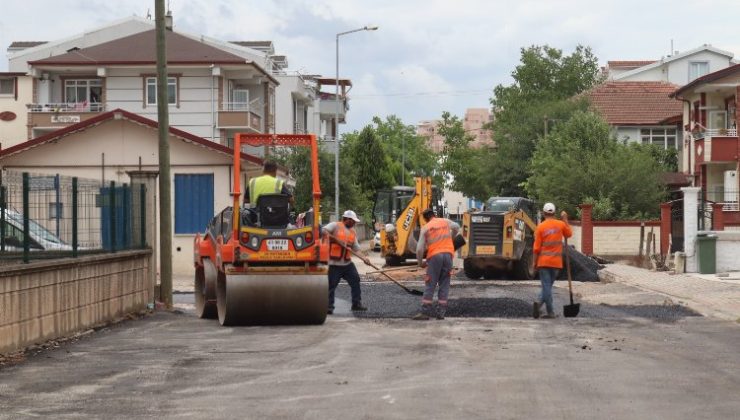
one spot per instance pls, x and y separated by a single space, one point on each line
241 114
716 132
728 197
67 107
254 106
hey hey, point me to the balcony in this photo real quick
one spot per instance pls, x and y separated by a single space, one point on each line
328 107
60 115
241 115
716 132
717 149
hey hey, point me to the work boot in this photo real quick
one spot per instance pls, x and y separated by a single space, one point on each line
421 316
550 315
358 307
536 309
441 312
330 311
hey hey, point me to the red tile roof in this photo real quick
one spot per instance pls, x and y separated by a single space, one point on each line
92 122
629 63
707 78
141 48
635 103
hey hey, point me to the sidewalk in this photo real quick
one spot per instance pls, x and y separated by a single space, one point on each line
707 294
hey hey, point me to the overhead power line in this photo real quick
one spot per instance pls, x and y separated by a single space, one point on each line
430 93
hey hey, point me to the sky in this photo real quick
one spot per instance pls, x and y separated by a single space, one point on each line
427 57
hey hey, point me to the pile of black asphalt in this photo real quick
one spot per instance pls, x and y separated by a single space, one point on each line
582 267
507 300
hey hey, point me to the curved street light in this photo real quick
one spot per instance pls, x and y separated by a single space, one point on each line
336 117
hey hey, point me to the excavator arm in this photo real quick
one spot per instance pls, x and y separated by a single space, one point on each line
400 243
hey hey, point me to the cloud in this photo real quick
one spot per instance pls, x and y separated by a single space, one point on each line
467 46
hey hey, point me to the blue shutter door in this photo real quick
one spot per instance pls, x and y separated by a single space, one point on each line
193 202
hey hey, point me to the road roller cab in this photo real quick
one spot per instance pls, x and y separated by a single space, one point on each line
252 266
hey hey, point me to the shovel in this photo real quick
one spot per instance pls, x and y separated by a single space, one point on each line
367 261
570 311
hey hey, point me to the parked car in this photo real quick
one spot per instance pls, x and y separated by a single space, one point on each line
40 238
375 242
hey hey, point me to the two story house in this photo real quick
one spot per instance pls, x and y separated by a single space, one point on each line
635 97
711 115
77 103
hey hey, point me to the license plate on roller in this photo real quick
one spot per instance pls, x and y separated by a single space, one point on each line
277 244
485 249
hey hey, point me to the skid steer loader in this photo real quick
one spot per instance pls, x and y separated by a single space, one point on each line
500 239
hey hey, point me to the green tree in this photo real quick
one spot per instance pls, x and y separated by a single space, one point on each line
544 94
297 160
370 162
581 161
403 145
465 166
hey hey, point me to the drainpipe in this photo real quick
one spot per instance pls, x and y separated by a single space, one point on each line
213 120
691 141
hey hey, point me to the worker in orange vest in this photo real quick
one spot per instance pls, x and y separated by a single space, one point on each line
548 255
340 259
435 239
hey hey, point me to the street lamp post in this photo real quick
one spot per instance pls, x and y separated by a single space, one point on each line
336 118
403 160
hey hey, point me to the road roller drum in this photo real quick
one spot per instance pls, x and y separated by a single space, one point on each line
205 290
272 299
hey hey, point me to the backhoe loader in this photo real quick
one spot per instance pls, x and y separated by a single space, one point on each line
397 215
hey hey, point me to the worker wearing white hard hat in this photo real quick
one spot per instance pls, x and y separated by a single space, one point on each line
343 236
548 255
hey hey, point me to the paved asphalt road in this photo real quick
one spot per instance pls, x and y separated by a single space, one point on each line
628 355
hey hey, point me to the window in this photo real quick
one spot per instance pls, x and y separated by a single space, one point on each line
151 90
698 69
661 137
80 91
7 86
56 210
193 202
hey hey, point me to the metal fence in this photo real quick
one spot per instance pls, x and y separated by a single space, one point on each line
53 216
728 197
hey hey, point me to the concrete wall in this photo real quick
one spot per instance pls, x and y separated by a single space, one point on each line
728 249
49 299
622 239
616 238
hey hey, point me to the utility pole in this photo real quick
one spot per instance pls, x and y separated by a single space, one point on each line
165 193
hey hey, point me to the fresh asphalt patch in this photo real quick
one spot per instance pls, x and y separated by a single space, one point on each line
495 300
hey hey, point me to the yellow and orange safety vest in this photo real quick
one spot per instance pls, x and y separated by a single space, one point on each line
548 242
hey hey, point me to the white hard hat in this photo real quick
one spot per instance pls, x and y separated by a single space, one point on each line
549 208
349 214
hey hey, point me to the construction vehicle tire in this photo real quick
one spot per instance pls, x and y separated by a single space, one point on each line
471 272
394 260
524 267
205 290
272 299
